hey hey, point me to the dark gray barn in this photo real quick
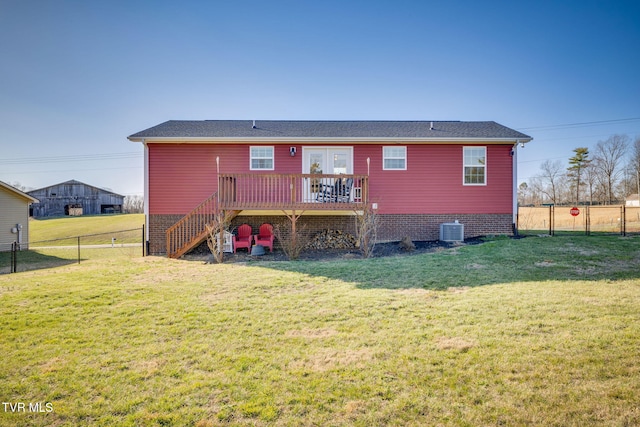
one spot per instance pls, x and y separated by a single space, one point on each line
74 198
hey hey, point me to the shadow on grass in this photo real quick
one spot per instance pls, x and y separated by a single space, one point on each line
494 262
579 233
32 260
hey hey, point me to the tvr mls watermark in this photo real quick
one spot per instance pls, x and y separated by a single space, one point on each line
30 407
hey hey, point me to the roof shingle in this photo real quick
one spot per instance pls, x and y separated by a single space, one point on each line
327 129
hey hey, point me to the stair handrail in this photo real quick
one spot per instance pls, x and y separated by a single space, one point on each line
191 225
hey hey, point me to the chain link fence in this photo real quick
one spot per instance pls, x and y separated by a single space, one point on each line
552 220
73 250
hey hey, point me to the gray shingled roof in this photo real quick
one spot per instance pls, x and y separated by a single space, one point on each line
327 129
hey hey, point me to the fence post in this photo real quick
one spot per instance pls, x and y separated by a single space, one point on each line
587 220
14 257
623 220
143 236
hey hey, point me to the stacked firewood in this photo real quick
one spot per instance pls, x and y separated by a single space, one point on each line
332 239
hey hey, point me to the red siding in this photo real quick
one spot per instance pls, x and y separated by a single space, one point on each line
181 176
433 184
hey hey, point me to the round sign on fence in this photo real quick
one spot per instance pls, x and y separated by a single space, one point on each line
574 211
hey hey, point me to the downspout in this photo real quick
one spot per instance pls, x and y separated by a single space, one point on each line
146 192
514 156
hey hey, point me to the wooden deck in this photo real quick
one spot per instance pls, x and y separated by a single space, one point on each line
291 192
286 192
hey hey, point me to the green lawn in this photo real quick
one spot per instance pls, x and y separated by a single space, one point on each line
61 231
537 331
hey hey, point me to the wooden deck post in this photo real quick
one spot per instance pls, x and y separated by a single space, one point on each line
294 219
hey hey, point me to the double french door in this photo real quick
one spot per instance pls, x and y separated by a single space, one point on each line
324 161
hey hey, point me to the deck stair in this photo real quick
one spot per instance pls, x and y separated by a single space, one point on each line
191 230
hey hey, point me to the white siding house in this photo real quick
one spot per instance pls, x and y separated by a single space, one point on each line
14 216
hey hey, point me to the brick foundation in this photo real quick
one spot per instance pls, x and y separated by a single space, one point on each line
392 227
427 226
158 225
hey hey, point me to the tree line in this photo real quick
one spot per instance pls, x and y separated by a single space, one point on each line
133 204
607 176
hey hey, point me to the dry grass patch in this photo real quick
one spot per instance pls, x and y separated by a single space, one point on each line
455 343
458 290
147 368
474 266
545 263
52 365
311 333
330 359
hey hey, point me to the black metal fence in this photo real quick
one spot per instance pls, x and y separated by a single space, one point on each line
71 250
612 219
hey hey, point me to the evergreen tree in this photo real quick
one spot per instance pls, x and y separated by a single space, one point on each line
577 164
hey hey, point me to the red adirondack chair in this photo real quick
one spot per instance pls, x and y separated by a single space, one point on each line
265 236
244 238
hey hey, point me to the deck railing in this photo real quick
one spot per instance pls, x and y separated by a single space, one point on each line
292 191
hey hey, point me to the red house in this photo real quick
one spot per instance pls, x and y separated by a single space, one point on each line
415 174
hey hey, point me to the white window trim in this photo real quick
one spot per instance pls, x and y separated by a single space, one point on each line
394 158
273 158
464 166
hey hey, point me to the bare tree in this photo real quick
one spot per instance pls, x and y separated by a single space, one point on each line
535 191
292 239
20 187
367 230
216 234
635 164
609 156
133 204
590 178
627 184
523 192
551 179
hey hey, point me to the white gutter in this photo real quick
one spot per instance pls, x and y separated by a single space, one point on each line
301 140
514 150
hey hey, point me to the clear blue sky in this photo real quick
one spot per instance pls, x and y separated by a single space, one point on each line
78 77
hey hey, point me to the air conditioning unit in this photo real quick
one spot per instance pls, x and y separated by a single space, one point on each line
452 232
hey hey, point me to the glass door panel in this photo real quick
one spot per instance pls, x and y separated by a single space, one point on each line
316 166
339 163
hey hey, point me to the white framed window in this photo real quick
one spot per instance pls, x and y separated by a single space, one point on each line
394 158
261 158
474 166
